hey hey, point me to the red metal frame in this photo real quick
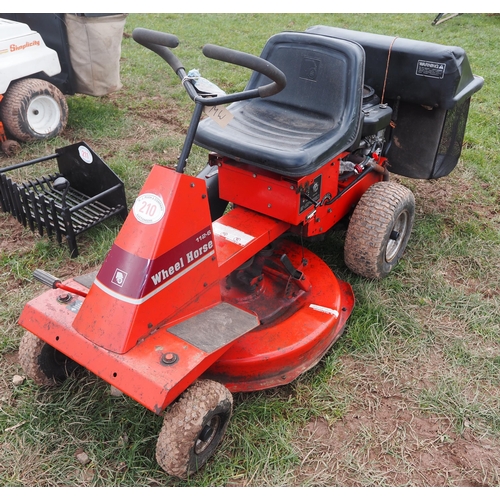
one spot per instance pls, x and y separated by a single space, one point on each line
170 263
282 198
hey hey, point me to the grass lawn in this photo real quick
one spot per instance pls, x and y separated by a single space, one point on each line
409 396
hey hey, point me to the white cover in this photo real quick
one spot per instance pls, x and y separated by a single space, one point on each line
23 53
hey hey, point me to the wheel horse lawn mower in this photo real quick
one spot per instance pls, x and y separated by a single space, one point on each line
195 302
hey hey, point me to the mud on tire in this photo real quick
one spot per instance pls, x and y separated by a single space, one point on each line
33 109
379 230
42 363
193 428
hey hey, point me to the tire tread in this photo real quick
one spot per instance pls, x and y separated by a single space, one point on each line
368 229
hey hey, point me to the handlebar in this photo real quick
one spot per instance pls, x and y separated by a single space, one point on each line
251 62
144 36
160 43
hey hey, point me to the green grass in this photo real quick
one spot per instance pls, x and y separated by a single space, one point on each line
414 376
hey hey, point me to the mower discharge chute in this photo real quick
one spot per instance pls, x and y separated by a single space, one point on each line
194 301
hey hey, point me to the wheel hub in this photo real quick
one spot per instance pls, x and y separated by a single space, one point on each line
44 115
396 239
207 435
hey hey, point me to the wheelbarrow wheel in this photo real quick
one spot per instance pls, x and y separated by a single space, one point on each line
193 428
34 109
42 363
379 230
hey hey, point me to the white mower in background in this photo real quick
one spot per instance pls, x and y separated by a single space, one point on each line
31 108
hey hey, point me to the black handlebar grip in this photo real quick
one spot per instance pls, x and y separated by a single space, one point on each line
159 43
251 62
145 36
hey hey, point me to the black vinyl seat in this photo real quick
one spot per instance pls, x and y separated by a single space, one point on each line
316 116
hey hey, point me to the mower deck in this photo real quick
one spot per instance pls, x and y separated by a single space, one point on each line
256 338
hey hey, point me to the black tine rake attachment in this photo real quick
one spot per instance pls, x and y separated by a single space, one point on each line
83 193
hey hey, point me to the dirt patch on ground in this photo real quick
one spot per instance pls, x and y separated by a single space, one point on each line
15 238
436 196
386 440
159 118
454 195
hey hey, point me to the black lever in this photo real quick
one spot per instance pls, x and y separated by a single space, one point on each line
294 273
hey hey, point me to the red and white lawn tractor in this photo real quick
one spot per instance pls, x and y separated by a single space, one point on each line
194 301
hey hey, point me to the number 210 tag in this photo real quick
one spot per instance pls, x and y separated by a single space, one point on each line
149 208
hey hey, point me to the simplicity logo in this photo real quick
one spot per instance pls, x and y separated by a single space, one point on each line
14 47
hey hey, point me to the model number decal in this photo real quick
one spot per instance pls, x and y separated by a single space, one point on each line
203 236
231 234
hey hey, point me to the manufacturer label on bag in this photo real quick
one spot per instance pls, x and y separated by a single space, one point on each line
431 69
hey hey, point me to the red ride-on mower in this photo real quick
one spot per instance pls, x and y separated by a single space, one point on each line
195 302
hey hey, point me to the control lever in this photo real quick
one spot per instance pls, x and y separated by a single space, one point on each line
52 282
295 273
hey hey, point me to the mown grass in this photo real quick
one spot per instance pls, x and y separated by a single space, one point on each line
426 339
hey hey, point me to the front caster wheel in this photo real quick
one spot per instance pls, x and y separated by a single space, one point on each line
193 428
42 363
379 230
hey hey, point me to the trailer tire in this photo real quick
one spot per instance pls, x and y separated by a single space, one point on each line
33 109
193 428
379 230
44 364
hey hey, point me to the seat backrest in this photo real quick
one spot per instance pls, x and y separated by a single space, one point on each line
324 75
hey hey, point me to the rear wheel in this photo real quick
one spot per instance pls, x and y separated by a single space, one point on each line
34 109
42 363
193 428
379 230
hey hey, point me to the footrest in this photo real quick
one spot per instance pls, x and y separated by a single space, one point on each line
90 194
216 327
